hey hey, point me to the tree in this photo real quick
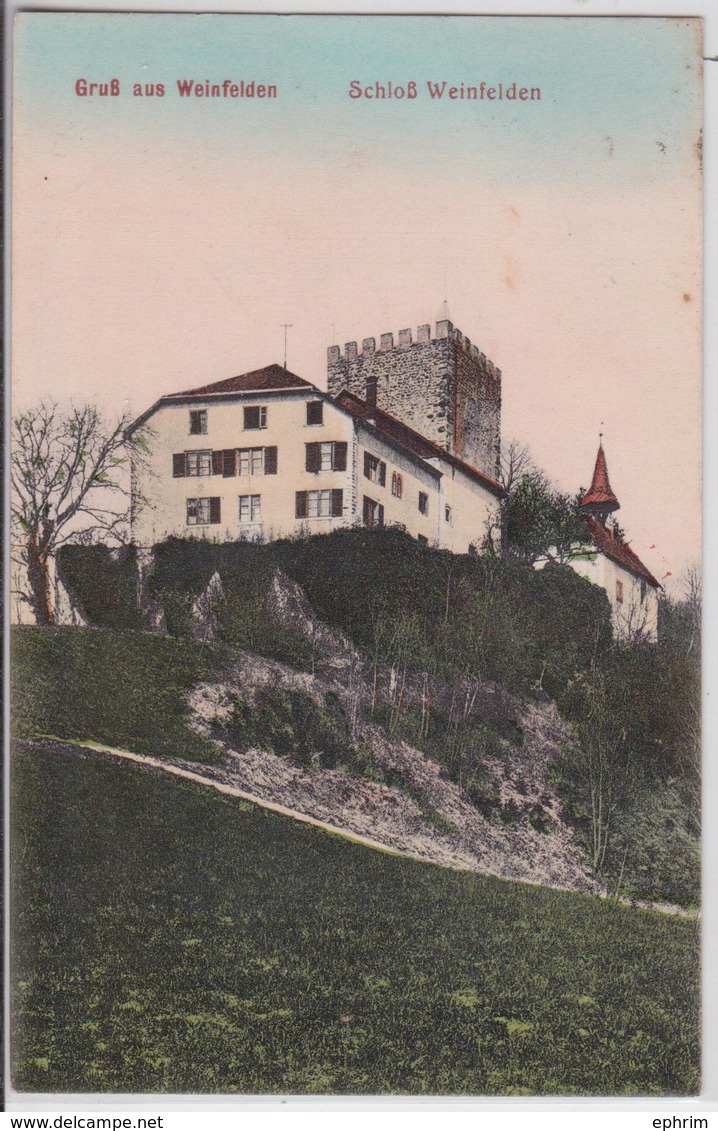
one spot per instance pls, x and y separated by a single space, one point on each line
515 462
539 522
70 482
600 771
542 523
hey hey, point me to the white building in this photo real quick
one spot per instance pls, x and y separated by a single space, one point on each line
267 455
608 561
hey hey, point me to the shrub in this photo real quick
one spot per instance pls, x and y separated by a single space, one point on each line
104 582
293 725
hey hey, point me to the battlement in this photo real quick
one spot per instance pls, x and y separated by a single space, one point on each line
445 330
443 387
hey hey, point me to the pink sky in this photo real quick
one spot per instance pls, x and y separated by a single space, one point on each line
145 266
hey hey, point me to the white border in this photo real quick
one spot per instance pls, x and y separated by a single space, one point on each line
221 1106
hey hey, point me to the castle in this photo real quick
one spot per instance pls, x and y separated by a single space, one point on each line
407 434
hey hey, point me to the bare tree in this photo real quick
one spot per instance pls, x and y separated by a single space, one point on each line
70 482
516 461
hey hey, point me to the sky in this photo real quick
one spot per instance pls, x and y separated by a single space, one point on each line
161 243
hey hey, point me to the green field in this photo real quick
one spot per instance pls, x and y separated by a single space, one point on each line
169 938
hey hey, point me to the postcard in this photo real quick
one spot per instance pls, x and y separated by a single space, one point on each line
356 582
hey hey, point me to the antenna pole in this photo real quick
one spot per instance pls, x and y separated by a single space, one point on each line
287 326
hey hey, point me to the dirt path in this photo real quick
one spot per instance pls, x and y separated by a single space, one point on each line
369 842
233 791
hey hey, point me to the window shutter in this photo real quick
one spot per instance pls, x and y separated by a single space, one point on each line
270 461
340 456
381 515
179 465
301 504
337 502
229 462
217 463
382 473
214 510
314 457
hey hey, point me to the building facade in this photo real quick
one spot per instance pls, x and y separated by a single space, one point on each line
267 455
607 560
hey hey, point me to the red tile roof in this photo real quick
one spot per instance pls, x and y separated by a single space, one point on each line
600 493
614 548
406 437
271 377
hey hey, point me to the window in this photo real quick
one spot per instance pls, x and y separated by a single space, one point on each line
644 591
203 512
619 592
397 485
250 509
422 540
447 515
315 412
257 461
473 550
198 422
330 456
326 457
222 462
255 417
319 504
375 469
423 502
251 461
373 513
198 463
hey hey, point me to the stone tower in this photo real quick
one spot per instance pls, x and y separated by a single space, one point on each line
442 387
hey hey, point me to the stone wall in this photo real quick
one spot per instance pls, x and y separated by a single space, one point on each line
443 387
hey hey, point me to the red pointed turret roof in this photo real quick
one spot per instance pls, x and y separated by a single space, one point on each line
600 493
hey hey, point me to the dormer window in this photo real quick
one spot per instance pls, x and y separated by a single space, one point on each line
198 422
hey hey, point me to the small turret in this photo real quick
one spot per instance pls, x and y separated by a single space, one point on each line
600 501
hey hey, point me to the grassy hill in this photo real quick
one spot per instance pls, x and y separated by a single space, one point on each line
169 938
121 688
